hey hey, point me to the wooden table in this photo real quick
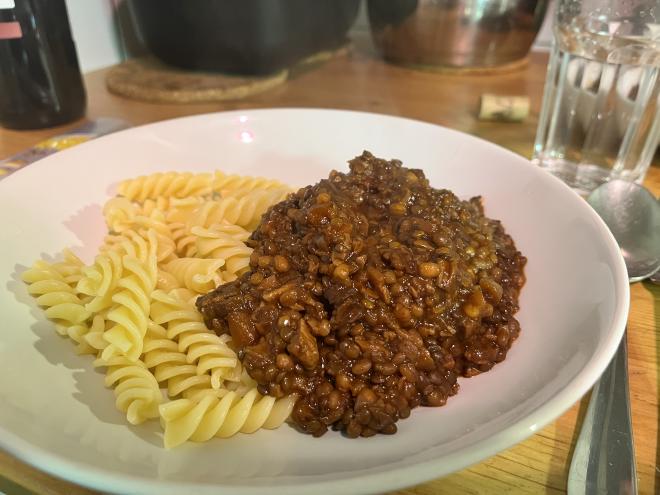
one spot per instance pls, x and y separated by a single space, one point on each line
359 81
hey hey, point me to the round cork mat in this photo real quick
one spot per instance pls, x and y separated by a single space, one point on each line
474 71
148 79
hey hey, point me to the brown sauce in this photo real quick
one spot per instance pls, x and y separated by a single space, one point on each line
369 294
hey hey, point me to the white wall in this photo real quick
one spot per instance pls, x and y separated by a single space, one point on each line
95 33
544 38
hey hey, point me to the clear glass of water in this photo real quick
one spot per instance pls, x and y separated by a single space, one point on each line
600 117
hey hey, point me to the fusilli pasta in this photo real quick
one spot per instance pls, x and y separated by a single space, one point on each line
201 420
136 389
99 281
169 184
239 185
215 243
179 209
94 336
119 214
131 304
210 352
172 236
170 366
244 211
70 268
184 240
197 274
149 206
62 304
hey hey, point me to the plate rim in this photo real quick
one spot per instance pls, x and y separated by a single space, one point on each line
352 481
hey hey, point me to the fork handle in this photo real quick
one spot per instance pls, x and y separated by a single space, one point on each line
604 456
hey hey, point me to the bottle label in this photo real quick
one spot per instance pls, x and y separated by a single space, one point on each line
10 30
7 4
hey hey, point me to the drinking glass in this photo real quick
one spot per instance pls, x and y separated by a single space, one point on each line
599 119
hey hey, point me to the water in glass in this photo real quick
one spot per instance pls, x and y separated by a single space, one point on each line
599 118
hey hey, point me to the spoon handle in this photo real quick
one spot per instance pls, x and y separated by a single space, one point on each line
604 457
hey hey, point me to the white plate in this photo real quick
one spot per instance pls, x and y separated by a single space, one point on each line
56 414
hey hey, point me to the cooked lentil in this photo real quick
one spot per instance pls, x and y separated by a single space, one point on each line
369 294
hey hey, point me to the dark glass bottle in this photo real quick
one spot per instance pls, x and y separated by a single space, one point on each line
40 81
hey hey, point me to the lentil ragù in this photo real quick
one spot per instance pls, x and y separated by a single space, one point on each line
369 294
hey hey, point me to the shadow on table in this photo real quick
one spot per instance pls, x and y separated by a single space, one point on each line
8 487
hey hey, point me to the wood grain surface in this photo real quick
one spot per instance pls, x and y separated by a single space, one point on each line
360 81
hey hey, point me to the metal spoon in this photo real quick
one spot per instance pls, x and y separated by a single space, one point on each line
633 215
655 278
604 457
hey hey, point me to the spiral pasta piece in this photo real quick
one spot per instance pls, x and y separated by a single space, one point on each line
239 185
182 236
209 352
54 286
169 184
227 229
244 211
136 390
180 209
166 281
157 204
187 240
155 221
215 243
94 336
52 292
137 227
196 274
200 420
70 268
132 243
100 280
212 354
131 304
184 295
165 250
119 214
169 365
184 240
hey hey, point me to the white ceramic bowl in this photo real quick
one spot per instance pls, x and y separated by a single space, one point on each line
56 414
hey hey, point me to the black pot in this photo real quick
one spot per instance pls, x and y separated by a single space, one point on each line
241 36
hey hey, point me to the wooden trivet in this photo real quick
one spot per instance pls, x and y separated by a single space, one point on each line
148 79
474 71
